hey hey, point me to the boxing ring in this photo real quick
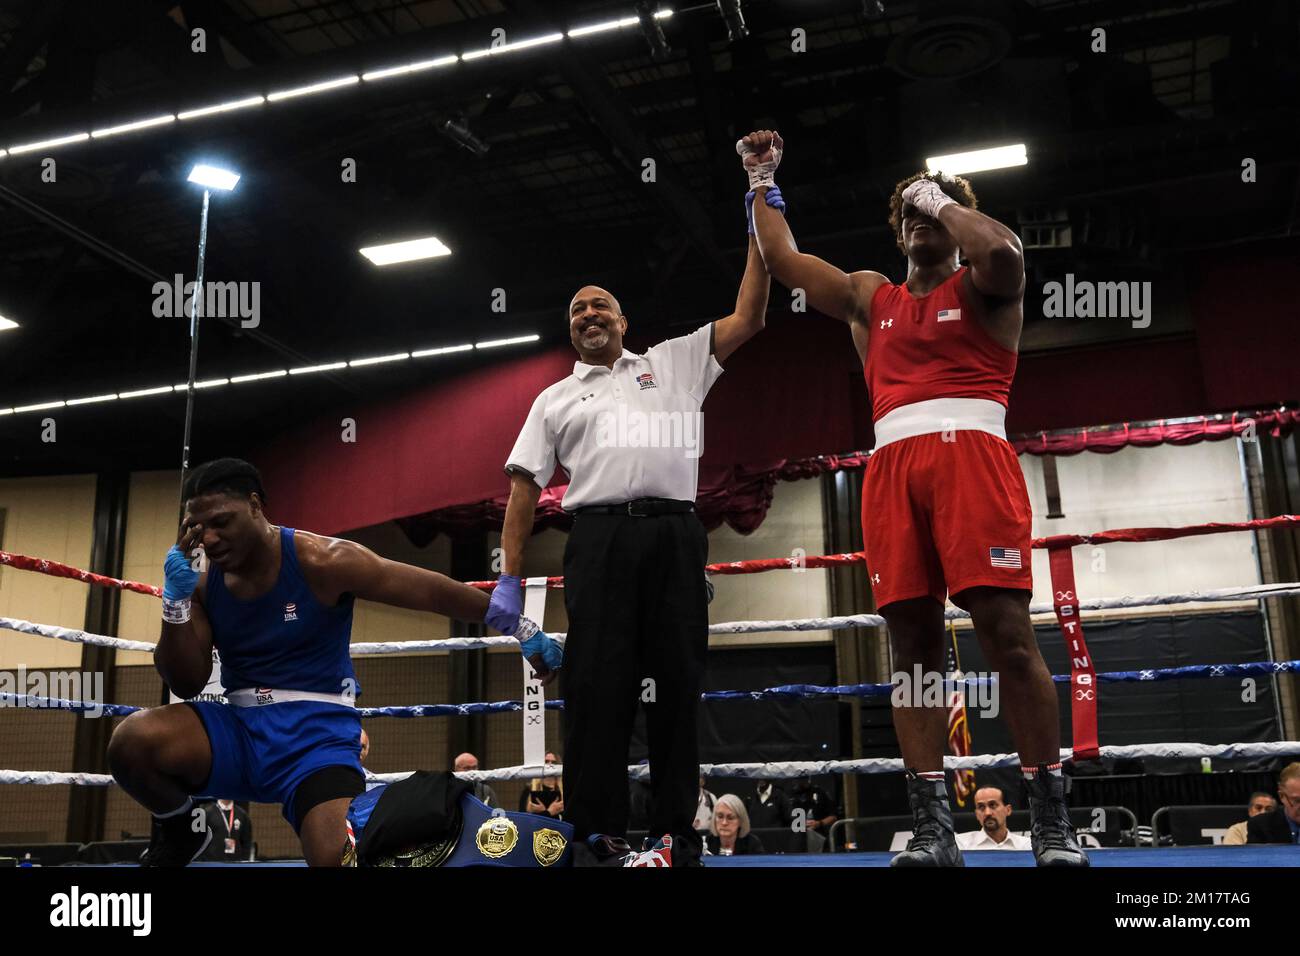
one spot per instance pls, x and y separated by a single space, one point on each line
1086 685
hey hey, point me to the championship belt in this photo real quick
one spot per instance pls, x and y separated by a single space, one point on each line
474 835
504 838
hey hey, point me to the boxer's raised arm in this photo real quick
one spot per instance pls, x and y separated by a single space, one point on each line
734 330
183 658
997 259
830 290
184 655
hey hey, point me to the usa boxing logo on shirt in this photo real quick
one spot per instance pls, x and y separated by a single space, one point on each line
646 380
291 612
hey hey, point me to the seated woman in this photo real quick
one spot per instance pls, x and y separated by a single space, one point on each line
729 835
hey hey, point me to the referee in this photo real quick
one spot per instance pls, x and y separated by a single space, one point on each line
626 430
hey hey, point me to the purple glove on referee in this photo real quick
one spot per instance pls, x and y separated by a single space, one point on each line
506 604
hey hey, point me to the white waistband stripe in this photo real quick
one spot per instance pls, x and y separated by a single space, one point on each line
940 415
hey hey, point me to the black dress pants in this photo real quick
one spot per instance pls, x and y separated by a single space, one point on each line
638 634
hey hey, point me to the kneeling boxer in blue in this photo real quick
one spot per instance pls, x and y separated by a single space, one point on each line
276 604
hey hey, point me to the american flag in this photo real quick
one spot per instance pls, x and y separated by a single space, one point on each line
1005 557
959 731
950 315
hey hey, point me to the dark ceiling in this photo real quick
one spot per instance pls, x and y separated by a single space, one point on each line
1137 149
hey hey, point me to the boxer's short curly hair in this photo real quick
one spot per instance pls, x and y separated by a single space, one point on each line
955 187
230 476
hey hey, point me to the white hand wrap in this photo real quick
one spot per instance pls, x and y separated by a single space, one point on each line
927 196
760 174
176 612
526 629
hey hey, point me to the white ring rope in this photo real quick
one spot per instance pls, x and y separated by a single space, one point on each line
1252 593
774 771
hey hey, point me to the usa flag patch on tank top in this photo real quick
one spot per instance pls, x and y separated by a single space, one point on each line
950 315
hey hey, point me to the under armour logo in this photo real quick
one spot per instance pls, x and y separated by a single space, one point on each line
886 323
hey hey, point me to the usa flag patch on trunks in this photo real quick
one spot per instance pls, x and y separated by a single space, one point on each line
1005 557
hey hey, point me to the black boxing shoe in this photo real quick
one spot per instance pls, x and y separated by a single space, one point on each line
173 841
1050 831
933 841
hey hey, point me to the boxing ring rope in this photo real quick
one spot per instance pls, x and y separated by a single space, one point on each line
844 622
1058 544
778 770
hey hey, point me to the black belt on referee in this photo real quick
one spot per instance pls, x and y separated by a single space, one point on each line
641 508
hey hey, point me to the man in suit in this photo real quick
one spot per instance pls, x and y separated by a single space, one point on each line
1283 824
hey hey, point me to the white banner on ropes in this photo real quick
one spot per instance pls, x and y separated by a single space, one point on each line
534 693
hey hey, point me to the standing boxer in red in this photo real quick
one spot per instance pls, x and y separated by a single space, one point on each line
945 512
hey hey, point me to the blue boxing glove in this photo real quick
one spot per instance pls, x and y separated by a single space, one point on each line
544 652
506 604
773 198
179 581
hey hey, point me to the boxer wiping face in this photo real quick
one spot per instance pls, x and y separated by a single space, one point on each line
924 238
227 526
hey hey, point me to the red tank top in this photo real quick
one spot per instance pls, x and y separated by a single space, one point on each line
932 347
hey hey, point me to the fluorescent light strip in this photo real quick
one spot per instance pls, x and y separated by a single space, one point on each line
511 47
142 392
603 27
279 373
314 88
278 95
409 68
222 107
308 369
411 250
445 350
46 143
978 160
379 359
7 324
210 383
518 340
130 127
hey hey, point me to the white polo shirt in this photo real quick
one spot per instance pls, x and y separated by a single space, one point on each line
633 431
979 840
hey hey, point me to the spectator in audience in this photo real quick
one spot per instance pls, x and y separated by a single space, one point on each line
232 832
992 810
544 794
467 762
768 806
365 746
704 809
819 809
729 835
1283 824
1260 802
